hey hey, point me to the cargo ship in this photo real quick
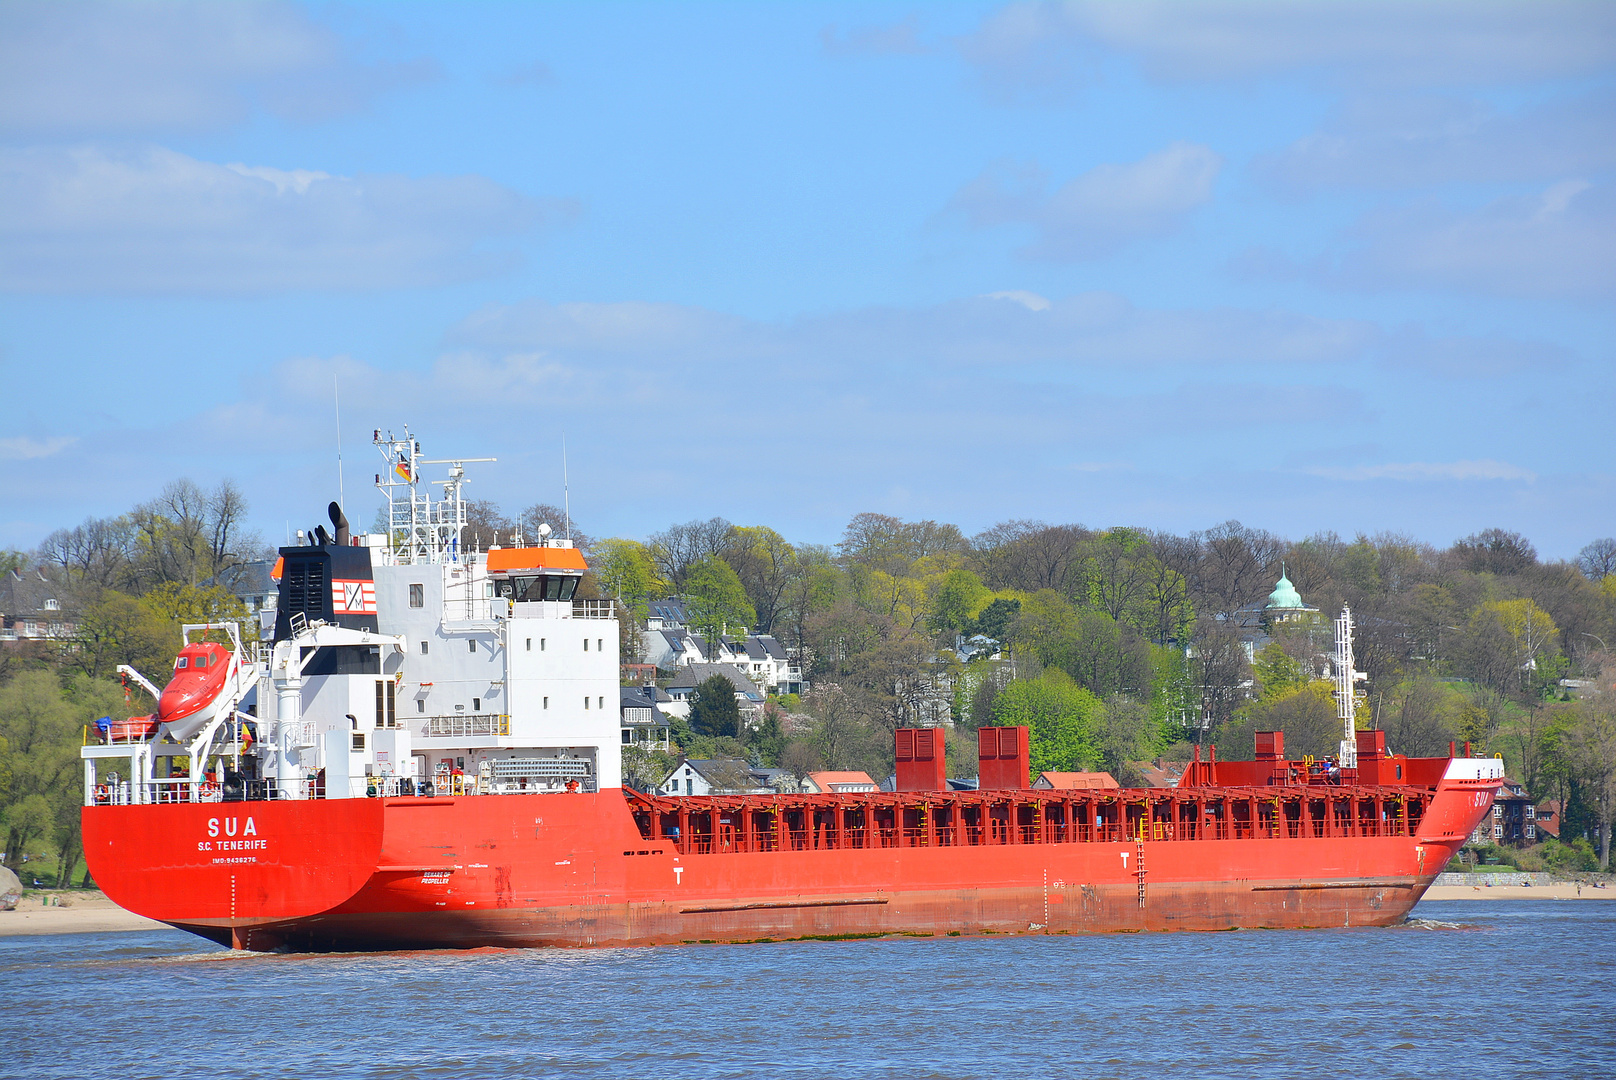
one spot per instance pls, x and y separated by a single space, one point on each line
424 752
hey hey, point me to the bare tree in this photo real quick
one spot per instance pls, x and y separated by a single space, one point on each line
1494 551
561 524
1236 568
486 525
1030 555
1598 559
96 553
229 545
1220 669
679 547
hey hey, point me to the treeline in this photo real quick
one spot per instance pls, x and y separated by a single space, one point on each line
118 590
1115 646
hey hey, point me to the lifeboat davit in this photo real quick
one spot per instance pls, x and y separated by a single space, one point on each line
203 672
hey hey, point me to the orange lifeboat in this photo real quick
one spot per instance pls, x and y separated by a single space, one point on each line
202 674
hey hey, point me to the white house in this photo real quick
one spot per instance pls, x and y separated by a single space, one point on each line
682 690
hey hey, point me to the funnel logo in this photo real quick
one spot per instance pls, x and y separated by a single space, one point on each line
353 597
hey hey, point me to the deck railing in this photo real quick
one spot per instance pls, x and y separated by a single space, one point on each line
710 824
477 725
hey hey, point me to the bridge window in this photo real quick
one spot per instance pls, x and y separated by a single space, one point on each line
539 587
417 595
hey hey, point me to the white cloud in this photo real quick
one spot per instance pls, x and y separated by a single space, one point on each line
1029 300
1418 471
128 68
1039 46
971 411
1094 214
1554 244
150 220
27 448
1090 331
1417 140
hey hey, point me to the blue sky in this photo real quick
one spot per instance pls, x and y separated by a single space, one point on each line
1316 266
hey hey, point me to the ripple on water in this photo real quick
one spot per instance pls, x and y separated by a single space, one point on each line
1215 1005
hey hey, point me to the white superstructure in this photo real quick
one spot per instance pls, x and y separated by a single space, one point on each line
403 659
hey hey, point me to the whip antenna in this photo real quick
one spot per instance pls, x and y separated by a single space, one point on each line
566 490
336 400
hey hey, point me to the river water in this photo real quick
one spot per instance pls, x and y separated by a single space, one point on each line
1470 988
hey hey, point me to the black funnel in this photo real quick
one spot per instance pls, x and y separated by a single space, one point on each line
341 523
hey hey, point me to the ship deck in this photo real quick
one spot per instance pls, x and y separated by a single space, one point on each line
714 824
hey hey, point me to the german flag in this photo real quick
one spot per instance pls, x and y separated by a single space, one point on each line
402 468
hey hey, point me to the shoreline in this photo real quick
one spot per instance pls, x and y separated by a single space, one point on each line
93 913
1559 890
89 912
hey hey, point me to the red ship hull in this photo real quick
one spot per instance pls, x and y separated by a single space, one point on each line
579 870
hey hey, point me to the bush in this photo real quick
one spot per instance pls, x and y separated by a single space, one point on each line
1555 857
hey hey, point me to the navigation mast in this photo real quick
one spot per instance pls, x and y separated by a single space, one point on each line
1346 691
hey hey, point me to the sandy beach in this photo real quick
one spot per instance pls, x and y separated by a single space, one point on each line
90 913
93 913
1562 890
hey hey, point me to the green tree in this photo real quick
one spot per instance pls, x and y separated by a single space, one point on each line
1276 670
1305 713
1165 612
1127 733
768 741
1062 720
1588 744
995 620
714 710
715 598
118 629
1512 646
644 768
811 590
957 597
1421 715
40 733
179 604
626 571
1175 701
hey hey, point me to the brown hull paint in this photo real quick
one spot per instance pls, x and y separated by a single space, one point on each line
1090 909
